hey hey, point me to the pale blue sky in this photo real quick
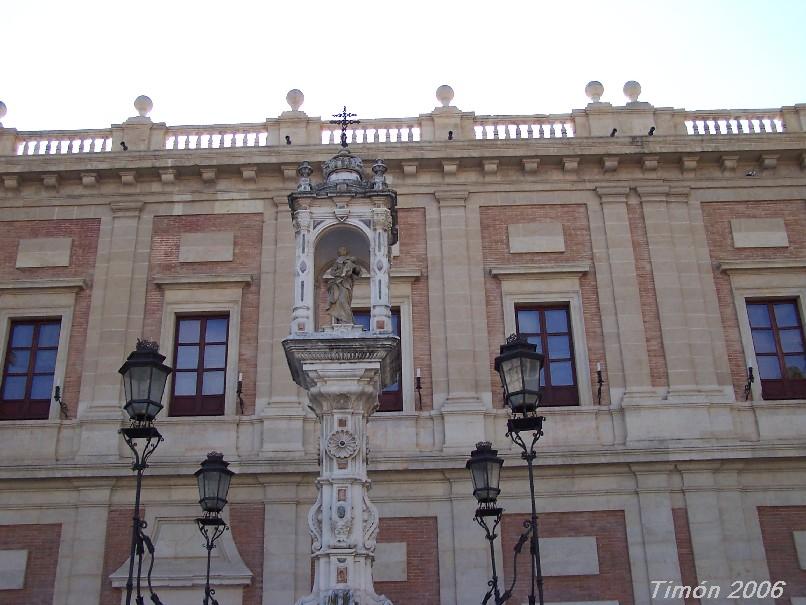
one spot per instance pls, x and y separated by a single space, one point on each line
80 64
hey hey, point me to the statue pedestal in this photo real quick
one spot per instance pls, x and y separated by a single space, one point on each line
343 372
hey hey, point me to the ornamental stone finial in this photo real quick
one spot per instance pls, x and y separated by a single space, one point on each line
445 95
143 105
594 91
3 111
295 99
632 90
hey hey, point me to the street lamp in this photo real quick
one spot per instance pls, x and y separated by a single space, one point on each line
144 375
519 366
213 478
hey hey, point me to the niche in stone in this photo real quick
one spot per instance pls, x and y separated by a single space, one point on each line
341 258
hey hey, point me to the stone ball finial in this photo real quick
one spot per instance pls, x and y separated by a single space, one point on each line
632 90
295 99
445 95
3 110
143 105
594 91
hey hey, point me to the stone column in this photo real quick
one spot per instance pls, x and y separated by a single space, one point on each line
89 531
303 315
343 374
381 307
625 290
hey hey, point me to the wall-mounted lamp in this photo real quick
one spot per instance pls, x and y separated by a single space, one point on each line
418 384
57 397
239 390
748 387
599 381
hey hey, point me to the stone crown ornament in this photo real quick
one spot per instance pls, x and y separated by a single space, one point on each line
344 166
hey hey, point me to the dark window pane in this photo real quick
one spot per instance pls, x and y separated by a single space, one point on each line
559 347
786 315
396 323
768 367
45 360
185 383
535 340
189 330
14 387
18 360
213 383
759 316
528 322
795 366
187 357
392 388
215 356
561 374
216 330
557 321
22 335
361 318
763 341
42 387
49 335
791 341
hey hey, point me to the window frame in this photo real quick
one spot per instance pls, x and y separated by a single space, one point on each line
28 408
783 388
553 395
198 404
389 401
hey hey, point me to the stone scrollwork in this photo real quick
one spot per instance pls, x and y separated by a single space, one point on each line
342 444
370 518
315 523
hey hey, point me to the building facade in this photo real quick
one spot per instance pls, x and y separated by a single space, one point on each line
657 256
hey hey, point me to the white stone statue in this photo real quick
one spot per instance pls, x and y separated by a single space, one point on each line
339 280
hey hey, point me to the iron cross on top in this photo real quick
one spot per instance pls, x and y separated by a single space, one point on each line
344 122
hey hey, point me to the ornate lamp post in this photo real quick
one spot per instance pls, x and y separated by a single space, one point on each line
213 478
144 376
519 365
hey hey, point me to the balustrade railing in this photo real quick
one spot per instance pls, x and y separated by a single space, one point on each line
396 130
216 136
523 127
734 122
64 142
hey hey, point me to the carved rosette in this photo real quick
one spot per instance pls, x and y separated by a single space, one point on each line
342 444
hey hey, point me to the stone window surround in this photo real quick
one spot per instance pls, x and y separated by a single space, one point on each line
542 284
763 279
400 280
24 299
194 294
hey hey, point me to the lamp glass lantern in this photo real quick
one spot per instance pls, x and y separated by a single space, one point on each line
213 479
485 471
144 376
519 365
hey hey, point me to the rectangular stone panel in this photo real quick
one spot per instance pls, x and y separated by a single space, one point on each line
206 247
759 233
800 547
390 562
12 569
536 237
569 556
44 252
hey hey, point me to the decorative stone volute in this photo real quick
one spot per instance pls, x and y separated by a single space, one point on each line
445 95
295 99
632 90
594 91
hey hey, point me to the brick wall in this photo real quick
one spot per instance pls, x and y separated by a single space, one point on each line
118 543
42 543
646 292
614 582
422 560
246 523
248 230
83 251
495 250
717 217
777 524
685 552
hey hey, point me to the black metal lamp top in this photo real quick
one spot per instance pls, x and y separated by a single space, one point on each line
519 365
485 471
144 376
213 479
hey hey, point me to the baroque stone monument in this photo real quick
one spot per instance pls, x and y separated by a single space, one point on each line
344 229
